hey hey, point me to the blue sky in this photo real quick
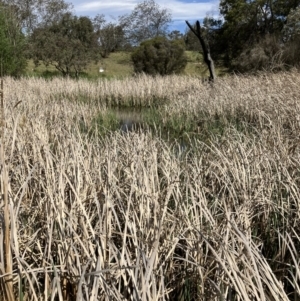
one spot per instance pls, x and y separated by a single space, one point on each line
190 10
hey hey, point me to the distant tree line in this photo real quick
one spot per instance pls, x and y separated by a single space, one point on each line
248 36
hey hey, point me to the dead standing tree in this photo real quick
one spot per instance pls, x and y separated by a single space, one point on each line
206 51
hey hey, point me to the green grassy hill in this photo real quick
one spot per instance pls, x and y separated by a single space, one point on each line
119 65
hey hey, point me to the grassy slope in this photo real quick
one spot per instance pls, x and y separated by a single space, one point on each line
119 65
116 65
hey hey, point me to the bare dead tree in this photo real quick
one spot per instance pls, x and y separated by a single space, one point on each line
206 51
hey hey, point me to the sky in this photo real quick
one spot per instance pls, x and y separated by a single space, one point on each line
180 10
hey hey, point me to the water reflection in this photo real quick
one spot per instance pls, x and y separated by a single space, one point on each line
129 119
133 120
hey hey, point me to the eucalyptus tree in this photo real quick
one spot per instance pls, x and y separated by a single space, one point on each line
147 20
69 44
32 13
110 35
12 42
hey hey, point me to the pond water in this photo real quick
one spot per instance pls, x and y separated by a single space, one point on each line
130 119
134 119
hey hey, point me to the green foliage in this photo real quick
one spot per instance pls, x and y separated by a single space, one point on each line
240 28
12 43
291 30
191 41
160 56
69 45
252 30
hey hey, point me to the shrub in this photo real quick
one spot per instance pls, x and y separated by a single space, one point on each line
159 56
263 55
292 52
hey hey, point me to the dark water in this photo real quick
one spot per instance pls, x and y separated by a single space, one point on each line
130 120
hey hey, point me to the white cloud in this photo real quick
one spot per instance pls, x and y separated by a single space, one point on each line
109 5
192 10
112 8
179 10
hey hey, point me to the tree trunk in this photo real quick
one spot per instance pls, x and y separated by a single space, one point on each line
206 52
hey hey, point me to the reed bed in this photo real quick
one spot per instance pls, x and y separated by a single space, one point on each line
127 216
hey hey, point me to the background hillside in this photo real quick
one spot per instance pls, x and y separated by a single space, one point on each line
119 65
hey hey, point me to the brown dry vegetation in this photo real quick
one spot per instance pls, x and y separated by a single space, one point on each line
127 217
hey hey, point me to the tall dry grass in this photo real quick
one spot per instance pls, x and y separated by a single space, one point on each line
129 217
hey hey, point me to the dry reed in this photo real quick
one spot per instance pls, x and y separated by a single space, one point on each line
124 217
